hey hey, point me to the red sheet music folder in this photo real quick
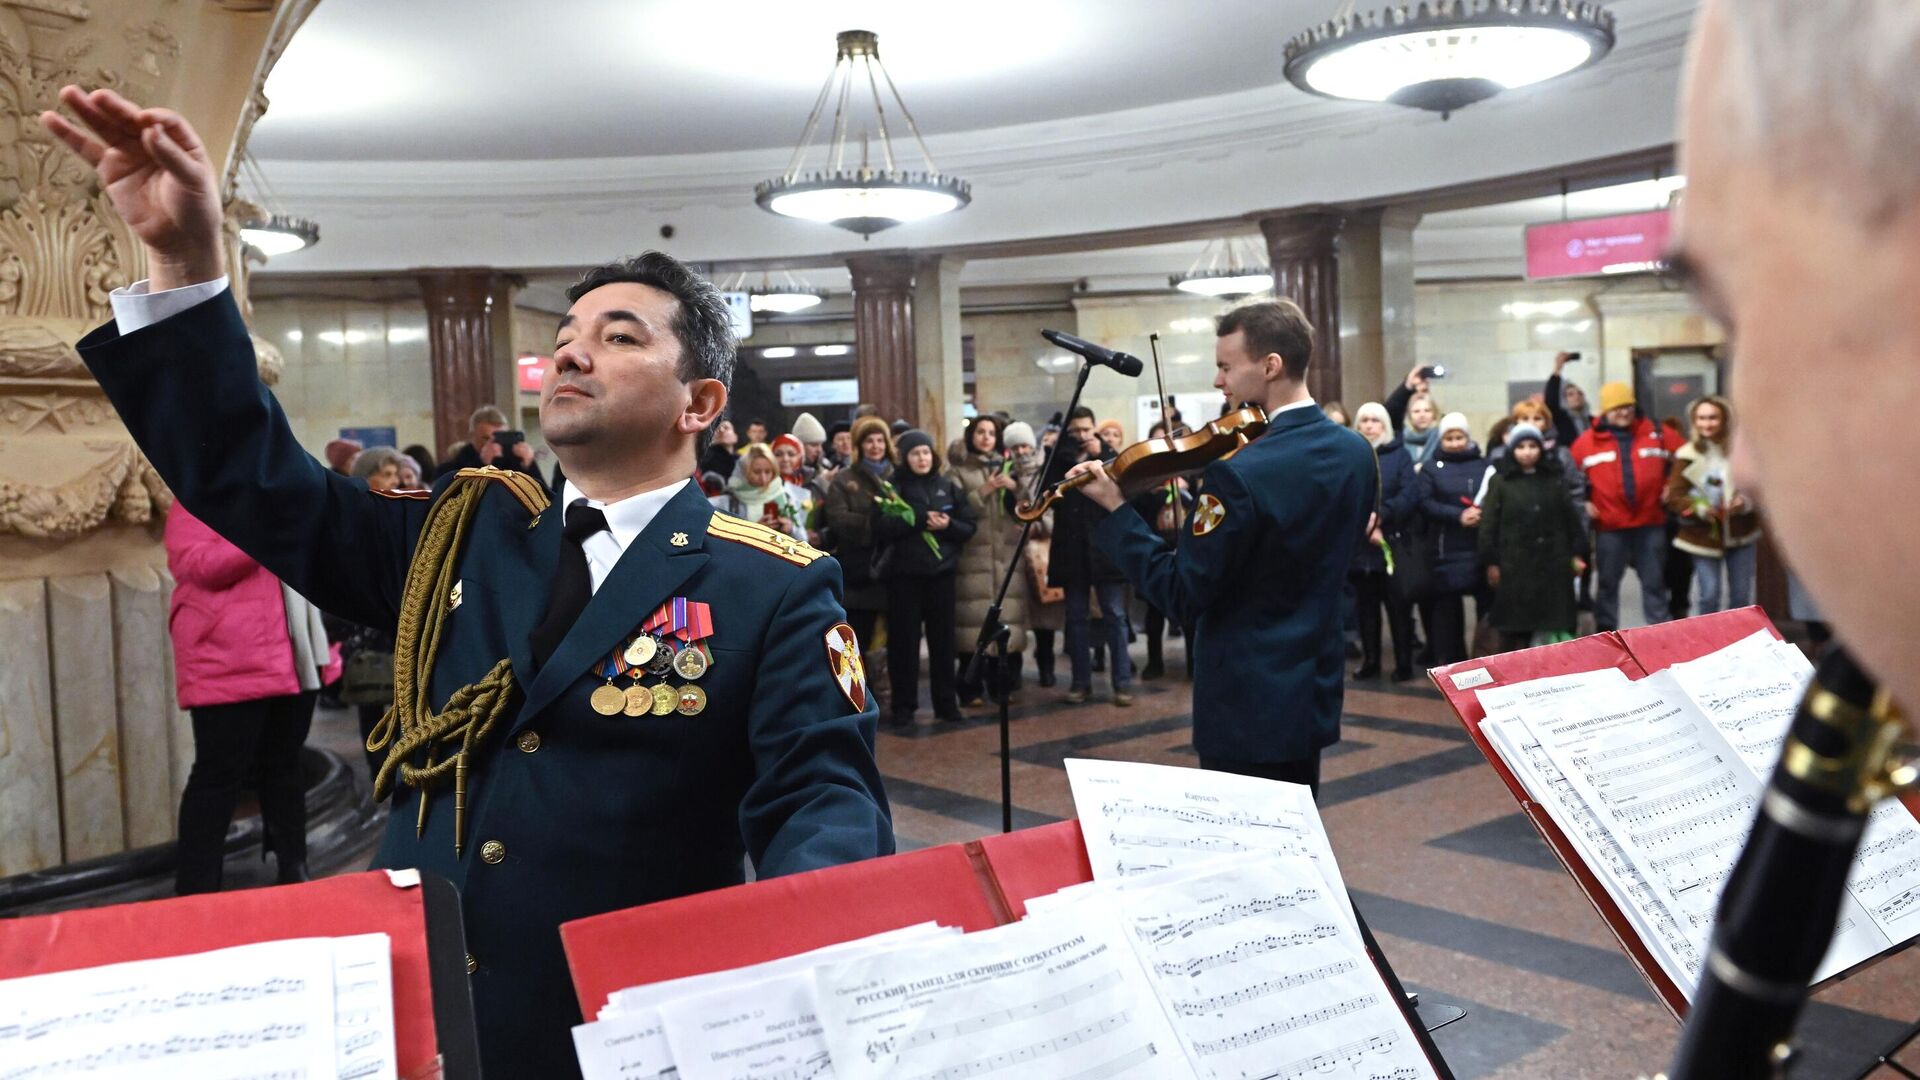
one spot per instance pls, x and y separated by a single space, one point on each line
766 920
333 907
1637 652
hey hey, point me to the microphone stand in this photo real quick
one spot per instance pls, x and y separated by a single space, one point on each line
996 633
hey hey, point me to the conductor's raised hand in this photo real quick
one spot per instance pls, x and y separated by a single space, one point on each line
155 171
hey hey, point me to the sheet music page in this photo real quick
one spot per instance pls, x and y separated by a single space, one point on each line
630 1039
1677 952
1679 799
1056 997
1139 818
263 1010
363 1008
1261 977
624 1046
1750 690
767 1030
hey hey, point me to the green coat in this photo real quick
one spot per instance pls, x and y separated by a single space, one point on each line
1531 530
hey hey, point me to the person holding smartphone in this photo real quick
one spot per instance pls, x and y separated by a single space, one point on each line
924 522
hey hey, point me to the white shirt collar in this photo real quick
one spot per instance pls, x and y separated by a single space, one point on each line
1303 403
627 518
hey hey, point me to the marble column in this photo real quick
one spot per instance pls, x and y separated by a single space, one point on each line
466 312
1376 303
940 366
90 740
1303 250
883 334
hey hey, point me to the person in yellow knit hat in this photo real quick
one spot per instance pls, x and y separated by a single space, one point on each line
1626 457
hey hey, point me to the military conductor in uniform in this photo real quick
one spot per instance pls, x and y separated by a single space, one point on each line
606 702
1258 570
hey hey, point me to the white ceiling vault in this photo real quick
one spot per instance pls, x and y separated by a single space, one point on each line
534 136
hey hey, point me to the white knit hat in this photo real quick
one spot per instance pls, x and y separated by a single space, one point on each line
1018 433
808 430
1455 420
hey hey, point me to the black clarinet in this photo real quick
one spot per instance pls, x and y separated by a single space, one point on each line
1778 909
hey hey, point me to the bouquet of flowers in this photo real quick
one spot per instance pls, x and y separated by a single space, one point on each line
890 502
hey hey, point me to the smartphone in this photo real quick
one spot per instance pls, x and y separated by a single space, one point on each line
508 439
1434 371
1572 356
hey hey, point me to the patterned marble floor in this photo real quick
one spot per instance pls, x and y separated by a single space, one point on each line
1465 899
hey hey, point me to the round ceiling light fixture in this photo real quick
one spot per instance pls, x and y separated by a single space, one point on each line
1447 54
279 234
268 229
870 196
770 297
1225 268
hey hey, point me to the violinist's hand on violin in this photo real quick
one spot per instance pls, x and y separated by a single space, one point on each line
1102 489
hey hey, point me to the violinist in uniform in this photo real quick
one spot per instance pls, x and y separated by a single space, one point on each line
1258 569
608 702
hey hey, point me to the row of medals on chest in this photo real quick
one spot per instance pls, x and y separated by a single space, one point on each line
650 654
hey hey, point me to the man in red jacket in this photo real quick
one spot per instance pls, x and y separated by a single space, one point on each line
1626 457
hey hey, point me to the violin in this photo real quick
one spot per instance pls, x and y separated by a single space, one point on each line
1151 462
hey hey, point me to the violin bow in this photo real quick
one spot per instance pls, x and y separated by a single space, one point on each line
1166 417
1153 344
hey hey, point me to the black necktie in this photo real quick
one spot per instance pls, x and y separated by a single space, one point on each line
572 583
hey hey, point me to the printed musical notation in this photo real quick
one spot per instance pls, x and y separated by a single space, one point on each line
1200 965
1029 1053
1234 913
1345 1054
175 1048
186 1016
1120 809
1276 1028
893 1045
813 1068
1218 1002
1051 995
161 1004
1184 843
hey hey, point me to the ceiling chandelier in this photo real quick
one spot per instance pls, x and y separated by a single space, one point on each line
1444 55
1226 267
770 297
269 229
868 196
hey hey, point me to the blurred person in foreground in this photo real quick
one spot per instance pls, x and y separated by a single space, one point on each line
1789 197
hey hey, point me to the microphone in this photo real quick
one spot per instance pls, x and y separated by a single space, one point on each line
1121 362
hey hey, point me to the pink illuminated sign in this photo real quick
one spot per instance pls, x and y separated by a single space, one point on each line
1621 244
529 368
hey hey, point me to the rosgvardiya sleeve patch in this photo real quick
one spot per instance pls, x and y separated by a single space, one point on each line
1208 515
843 658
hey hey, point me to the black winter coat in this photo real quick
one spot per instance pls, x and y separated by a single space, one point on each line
1448 485
1399 503
909 554
1075 562
1531 530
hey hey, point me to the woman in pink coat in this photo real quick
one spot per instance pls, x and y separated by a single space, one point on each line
249 658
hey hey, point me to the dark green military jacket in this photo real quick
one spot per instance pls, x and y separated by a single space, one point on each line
570 812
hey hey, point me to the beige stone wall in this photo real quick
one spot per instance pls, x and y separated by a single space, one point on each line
1488 333
351 363
92 750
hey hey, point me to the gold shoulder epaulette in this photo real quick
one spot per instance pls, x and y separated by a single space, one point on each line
531 493
404 493
761 538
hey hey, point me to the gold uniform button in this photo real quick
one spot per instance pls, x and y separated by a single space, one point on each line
492 852
472 964
528 742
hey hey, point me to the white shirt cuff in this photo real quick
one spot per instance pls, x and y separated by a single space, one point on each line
135 308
